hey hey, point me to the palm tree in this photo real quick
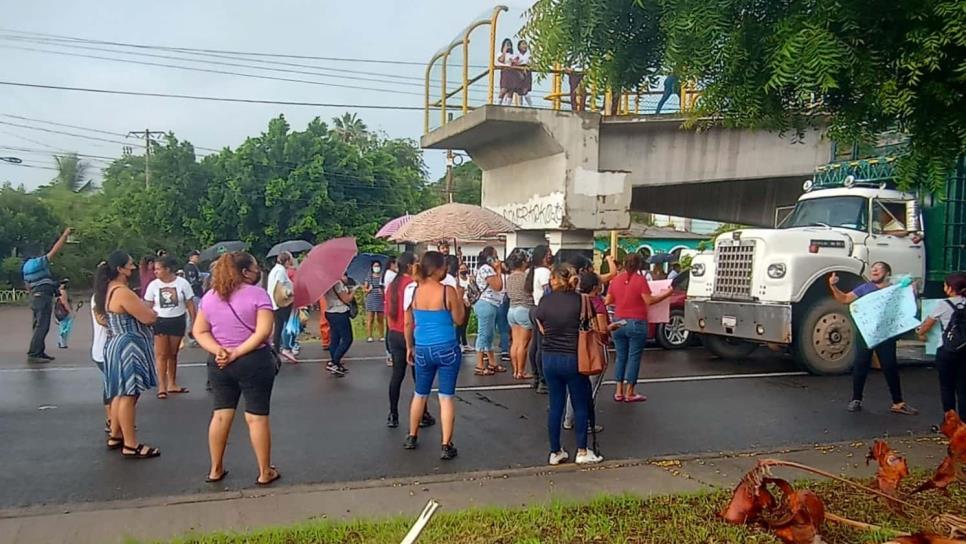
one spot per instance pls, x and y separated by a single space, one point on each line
351 129
71 171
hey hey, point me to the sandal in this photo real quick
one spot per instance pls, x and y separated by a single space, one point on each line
496 368
140 452
636 397
482 371
270 480
210 480
904 409
177 391
162 395
114 443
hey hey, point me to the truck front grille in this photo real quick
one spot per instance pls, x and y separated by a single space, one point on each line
734 263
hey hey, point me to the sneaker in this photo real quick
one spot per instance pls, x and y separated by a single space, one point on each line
392 421
449 452
411 443
542 389
369 340
334 369
427 420
343 369
558 457
588 458
37 360
567 425
505 356
48 357
468 349
855 405
598 428
382 339
288 355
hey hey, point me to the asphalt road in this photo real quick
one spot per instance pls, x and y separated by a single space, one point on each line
327 429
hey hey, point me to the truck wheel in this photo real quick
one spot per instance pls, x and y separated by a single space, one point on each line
728 348
673 335
825 339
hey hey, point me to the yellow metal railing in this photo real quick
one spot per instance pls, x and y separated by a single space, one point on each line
457 101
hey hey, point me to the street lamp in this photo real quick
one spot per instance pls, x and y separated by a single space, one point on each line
11 160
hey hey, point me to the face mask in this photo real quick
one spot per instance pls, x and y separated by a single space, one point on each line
376 270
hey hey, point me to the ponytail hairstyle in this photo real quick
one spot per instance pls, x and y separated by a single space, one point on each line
431 263
107 271
957 282
632 264
228 273
405 264
517 260
588 281
537 260
566 278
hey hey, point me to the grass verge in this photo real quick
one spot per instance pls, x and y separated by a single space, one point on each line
674 519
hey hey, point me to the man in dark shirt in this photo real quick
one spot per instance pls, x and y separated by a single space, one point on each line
197 282
43 290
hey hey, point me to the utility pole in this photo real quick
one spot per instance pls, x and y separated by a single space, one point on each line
449 174
147 135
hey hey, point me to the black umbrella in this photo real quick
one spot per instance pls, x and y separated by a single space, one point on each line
292 246
221 248
661 258
361 266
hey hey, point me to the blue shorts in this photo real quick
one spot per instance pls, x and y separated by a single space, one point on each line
519 316
444 359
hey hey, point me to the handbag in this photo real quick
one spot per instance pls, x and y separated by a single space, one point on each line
590 345
276 359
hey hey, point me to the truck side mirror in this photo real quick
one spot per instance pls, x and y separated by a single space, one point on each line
912 216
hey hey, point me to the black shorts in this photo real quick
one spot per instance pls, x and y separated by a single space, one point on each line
170 326
252 375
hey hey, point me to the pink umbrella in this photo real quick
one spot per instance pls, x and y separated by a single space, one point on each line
391 227
322 268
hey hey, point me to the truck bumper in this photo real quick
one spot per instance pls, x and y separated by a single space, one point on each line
769 323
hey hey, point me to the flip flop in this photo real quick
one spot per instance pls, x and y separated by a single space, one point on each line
271 481
635 398
179 391
163 395
210 480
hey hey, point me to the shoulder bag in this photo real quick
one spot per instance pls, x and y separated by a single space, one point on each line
276 359
590 346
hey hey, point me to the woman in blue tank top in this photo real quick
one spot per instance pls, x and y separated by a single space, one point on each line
432 312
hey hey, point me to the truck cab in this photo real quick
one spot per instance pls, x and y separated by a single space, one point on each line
770 286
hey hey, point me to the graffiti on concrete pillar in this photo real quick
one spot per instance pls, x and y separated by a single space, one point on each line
540 212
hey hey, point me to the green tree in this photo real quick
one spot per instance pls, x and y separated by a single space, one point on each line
860 67
27 223
467 184
351 129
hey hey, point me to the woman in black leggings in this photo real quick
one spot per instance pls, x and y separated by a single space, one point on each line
886 351
395 319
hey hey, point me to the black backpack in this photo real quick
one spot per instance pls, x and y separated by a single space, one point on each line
954 335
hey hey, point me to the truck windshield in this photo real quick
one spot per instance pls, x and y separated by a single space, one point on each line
849 212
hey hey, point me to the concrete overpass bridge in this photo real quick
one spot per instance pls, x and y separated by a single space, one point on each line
561 174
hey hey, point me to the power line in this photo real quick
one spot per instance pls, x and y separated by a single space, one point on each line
61 132
211 71
100 158
415 81
89 129
227 51
216 98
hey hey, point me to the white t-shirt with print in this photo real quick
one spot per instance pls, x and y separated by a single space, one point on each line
170 299
487 293
541 278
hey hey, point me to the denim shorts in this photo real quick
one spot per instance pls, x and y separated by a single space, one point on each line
519 316
442 359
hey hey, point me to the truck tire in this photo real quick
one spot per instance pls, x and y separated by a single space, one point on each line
673 335
825 339
727 347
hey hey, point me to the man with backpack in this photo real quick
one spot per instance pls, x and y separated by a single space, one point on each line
43 290
950 314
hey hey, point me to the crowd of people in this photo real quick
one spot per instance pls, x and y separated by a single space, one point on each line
535 302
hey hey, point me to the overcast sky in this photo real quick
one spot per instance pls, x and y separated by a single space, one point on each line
384 30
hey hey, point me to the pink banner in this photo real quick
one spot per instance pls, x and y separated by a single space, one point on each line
659 313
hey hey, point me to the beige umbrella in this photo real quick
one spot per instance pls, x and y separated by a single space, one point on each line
453 221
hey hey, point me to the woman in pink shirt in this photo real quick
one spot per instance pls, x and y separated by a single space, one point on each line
630 295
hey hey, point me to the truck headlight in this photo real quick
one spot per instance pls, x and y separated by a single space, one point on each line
697 270
777 271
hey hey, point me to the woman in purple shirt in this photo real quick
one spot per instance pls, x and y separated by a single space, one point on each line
234 325
886 351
